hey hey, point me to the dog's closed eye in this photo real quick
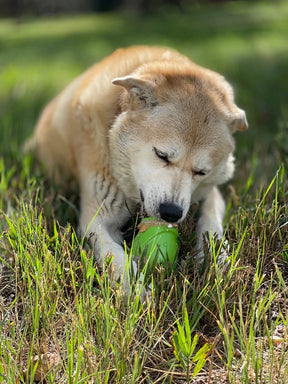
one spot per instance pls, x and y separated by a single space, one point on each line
200 172
161 155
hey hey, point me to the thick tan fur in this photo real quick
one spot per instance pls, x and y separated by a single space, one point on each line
146 125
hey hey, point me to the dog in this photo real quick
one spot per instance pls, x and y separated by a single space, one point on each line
147 127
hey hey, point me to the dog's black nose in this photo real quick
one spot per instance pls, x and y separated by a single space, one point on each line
170 212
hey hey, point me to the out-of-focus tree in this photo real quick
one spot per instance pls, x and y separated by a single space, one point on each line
148 5
19 7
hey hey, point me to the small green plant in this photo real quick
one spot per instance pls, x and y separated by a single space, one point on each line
184 349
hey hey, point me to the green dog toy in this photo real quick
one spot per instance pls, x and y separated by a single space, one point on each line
156 243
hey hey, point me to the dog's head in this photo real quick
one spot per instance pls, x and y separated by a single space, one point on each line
173 140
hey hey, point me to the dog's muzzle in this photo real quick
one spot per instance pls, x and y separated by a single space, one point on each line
170 212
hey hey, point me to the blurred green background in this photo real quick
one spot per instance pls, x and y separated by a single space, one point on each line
42 47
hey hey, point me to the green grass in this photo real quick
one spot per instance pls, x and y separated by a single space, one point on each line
61 320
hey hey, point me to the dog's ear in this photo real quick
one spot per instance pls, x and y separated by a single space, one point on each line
141 90
238 121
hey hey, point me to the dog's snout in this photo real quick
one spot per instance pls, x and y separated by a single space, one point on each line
170 212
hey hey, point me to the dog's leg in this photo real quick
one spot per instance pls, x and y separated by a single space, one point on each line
104 211
210 221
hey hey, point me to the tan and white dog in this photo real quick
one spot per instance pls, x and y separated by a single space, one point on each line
144 126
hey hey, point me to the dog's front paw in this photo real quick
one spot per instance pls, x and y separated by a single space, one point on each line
209 250
141 287
131 281
223 254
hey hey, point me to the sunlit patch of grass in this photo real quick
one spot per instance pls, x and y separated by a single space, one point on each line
63 320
